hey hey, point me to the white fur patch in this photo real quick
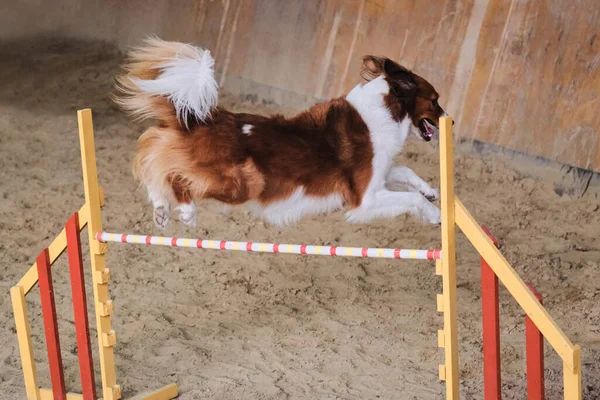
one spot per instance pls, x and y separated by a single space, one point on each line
247 129
388 204
296 206
188 81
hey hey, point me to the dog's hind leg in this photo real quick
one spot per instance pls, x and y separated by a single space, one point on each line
182 193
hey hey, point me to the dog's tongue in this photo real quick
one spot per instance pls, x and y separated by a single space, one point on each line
429 130
426 130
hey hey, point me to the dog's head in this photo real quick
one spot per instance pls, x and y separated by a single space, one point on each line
409 95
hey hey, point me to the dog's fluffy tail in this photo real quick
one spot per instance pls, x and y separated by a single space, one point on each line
169 81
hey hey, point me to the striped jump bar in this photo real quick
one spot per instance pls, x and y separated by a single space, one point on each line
341 251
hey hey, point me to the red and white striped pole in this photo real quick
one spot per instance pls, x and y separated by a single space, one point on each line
340 251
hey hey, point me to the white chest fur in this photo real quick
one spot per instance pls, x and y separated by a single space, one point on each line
387 136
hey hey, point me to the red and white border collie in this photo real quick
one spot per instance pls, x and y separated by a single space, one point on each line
336 154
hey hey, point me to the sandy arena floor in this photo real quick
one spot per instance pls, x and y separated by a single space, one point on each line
238 326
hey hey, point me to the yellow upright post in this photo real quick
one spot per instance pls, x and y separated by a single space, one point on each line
100 274
449 371
25 346
572 377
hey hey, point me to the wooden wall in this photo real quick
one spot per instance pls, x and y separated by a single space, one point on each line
522 74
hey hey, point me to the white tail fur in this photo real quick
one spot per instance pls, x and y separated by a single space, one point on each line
179 72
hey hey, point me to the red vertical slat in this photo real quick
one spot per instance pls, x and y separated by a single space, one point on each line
82 330
51 326
490 307
535 356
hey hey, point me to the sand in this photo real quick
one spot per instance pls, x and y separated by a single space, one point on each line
239 326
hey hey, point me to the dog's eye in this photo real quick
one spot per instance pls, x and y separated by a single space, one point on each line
434 102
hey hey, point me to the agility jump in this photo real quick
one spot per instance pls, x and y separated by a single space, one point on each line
453 214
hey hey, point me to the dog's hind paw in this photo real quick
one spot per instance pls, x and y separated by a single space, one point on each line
189 220
161 216
432 214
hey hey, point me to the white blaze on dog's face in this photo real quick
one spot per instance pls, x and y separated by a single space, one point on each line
410 95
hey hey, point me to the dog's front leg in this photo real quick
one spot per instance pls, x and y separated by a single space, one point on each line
406 176
388 204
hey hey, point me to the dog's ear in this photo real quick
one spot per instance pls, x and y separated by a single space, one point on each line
373 66
391 67
402 82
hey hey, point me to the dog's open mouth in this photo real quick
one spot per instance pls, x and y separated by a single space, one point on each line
427 129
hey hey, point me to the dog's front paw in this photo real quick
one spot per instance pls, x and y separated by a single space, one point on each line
161 216
431 194
432 214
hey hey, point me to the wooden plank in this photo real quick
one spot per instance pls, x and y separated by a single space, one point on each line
56 248
449 258
46 394
110 389
572 380
51 326
534 348
490 318
82 329
165 393
517 288
17 294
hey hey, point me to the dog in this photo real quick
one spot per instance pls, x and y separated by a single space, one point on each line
335 155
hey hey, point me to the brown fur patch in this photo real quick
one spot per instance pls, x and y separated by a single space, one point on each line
426 105
325 149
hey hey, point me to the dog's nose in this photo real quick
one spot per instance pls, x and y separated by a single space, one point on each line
452 122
